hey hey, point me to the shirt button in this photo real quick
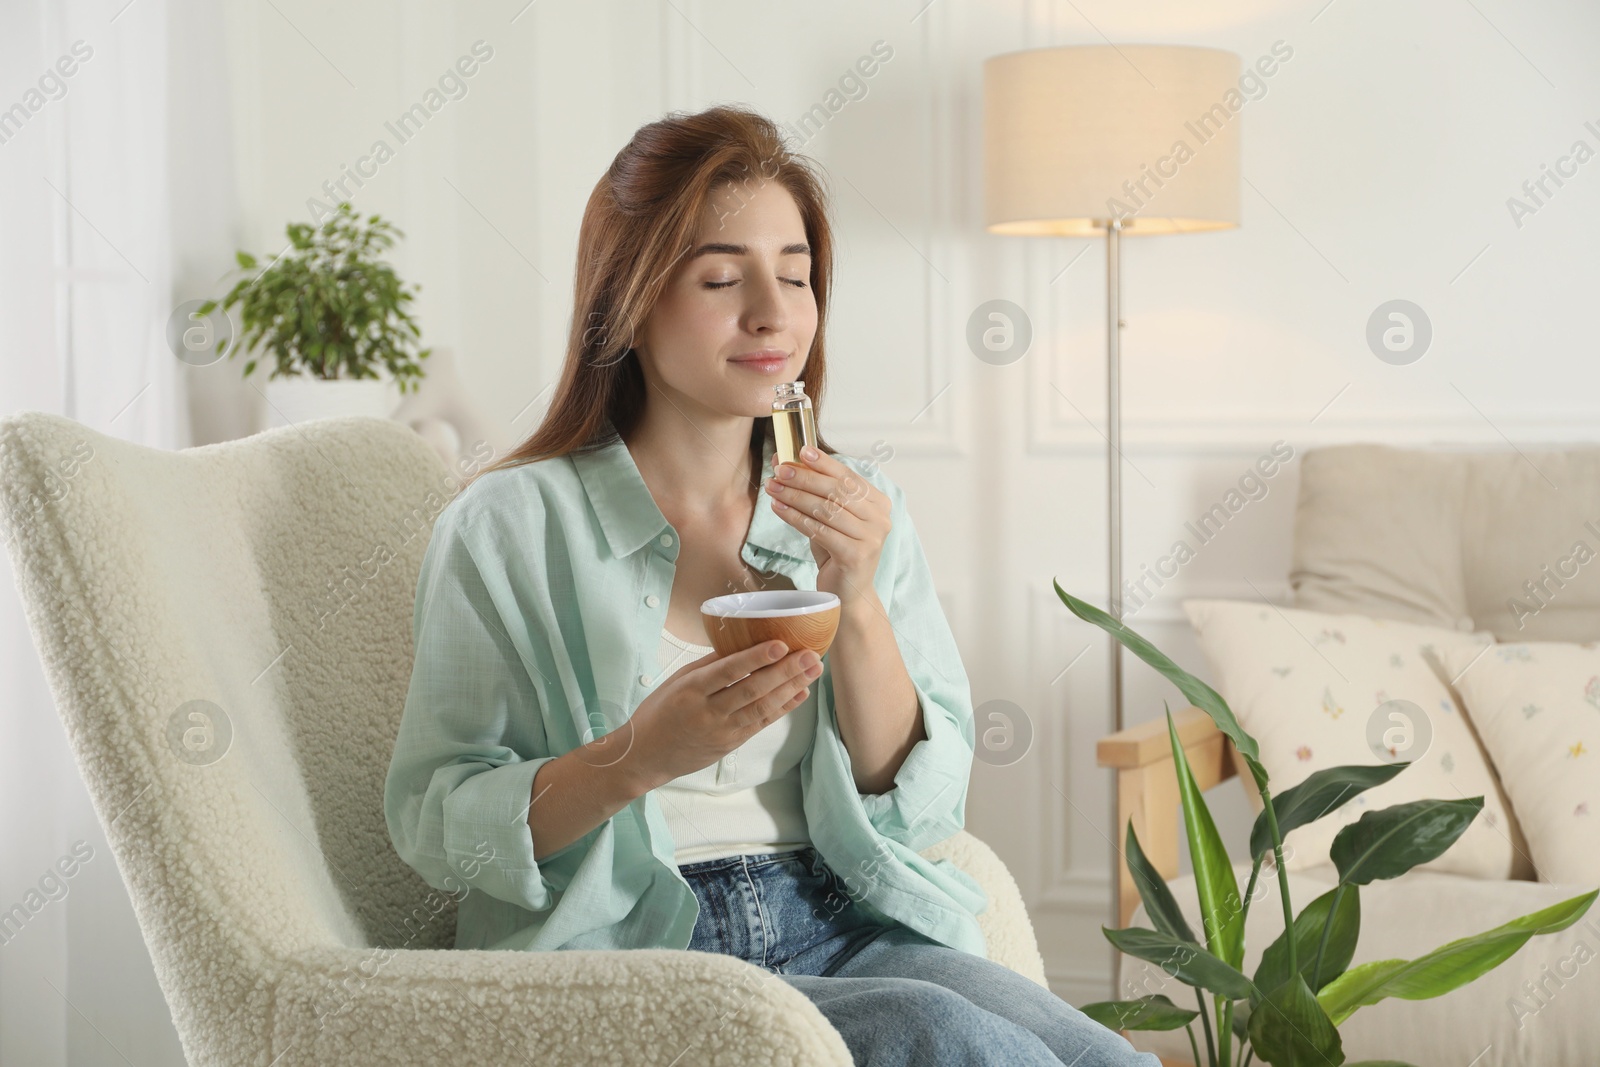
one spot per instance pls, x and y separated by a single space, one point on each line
666 540
652 600
644 679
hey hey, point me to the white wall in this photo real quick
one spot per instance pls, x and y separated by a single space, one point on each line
1377 166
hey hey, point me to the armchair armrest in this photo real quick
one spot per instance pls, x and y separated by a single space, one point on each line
1147 787
399 1007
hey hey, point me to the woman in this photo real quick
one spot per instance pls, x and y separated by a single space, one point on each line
572 747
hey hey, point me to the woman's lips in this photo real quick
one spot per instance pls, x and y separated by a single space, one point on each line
766 365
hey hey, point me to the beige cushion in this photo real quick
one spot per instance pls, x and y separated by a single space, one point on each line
1450 538
1311 689
1540 1008
1537 708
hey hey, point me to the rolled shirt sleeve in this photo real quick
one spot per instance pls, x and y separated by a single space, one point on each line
927 802
471 736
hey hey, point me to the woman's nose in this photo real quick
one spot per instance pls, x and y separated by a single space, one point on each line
766 308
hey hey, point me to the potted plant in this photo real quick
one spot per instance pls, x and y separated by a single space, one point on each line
1289 1011
332 316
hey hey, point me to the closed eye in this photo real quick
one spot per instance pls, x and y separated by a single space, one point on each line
800 282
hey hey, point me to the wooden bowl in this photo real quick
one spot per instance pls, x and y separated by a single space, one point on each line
800 618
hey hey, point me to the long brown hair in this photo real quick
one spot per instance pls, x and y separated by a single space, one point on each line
640 220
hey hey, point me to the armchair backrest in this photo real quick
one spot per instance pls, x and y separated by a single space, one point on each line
227 633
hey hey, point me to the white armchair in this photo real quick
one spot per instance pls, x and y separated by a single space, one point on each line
227 633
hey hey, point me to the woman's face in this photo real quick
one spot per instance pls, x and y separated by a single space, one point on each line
743 287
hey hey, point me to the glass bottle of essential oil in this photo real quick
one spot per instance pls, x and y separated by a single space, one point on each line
793 424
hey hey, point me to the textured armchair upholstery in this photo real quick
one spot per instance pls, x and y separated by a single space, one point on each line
227 633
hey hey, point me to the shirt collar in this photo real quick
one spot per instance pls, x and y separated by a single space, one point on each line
630 517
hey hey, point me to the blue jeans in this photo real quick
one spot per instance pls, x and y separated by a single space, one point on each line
788 912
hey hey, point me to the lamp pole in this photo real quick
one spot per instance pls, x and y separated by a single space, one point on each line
1104 102
1113 228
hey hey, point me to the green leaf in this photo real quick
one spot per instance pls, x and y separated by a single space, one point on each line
1447 967
1194 690
1147 1013
1290 1029
1158 900
1183 960
1221 909
1390 841
325 308
1321 792
245 260
1273 970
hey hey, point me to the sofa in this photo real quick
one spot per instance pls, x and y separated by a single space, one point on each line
227 634
1389 544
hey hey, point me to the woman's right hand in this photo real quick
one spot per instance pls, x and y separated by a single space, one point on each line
712 705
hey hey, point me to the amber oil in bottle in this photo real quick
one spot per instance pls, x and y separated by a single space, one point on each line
794 426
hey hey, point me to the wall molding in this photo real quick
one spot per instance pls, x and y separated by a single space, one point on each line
1063 886
1248 433
936 428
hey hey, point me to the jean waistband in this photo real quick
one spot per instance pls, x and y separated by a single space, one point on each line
751 860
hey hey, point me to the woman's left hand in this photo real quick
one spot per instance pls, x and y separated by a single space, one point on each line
845 517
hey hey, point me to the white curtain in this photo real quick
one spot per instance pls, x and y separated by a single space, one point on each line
115 183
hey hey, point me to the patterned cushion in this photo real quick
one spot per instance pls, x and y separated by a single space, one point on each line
1319 691
1537 708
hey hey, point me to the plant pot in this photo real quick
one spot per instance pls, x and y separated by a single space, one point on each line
295 400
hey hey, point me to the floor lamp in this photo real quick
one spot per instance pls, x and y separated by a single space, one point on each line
1113 139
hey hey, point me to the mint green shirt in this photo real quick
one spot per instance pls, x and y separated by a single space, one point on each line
539 609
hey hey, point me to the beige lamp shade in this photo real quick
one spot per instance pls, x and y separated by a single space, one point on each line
1077 136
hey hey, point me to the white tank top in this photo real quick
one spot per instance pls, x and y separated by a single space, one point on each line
750 799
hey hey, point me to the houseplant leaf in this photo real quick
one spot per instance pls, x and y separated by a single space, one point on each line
1273 970
1321 792
1390 841
1158 901
1194 690
1221 910
1290 1029
326 307
1147 1013
1183 960
1447 967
